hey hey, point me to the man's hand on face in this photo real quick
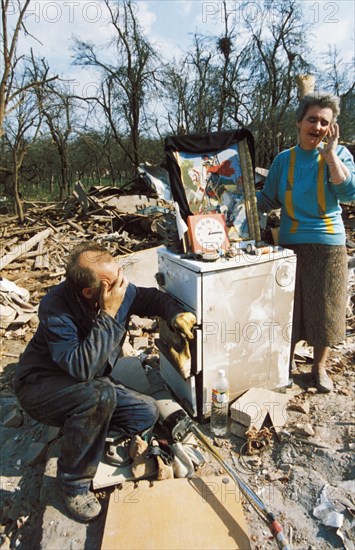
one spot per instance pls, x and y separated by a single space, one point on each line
111 297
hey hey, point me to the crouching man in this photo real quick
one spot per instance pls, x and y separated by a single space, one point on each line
63 376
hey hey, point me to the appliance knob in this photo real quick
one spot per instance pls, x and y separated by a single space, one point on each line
284 275
160 278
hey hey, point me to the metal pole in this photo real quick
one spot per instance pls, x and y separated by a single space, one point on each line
269 518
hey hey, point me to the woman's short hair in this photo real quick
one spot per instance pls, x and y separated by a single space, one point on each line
83 277
324 101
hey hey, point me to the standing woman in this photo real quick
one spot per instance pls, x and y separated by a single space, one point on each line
307 182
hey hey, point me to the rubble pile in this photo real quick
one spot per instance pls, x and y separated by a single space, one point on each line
300 467
32 254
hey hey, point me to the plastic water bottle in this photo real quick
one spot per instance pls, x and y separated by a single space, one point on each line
219 406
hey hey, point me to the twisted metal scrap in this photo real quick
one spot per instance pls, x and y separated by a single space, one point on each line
257 440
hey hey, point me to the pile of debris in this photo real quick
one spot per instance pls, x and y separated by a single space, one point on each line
33 253
302 468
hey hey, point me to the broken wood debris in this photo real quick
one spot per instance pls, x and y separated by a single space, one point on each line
21 249
126 223
33 254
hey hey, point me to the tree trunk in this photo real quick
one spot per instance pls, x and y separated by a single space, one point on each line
64 173
2 107
135 132
15 190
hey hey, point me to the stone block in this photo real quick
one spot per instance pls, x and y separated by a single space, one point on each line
238 429
140 342
251 408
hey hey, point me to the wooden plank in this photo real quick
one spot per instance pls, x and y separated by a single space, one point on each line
25 230
23 248
51 226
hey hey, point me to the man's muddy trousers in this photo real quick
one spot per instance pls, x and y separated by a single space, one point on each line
85 411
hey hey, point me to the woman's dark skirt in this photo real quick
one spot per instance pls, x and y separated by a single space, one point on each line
319 315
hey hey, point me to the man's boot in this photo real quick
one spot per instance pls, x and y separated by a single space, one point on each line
83 507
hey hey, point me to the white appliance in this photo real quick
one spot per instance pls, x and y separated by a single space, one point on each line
244 311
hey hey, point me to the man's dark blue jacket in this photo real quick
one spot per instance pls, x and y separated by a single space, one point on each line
82 343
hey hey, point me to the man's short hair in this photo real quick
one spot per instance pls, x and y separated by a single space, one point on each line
83 277
324 101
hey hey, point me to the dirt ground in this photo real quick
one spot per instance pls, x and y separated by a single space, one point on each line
313 453
310 462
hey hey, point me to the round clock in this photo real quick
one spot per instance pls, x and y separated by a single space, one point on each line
208 233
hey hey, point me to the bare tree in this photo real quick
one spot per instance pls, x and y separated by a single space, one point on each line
11 93
176 95
8 93
191 88
276 55
56 107
126 81
336 77
225 47
201 65
21 130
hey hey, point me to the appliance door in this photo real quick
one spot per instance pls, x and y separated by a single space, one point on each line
189 392
182 283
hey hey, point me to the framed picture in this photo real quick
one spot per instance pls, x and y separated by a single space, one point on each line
215 173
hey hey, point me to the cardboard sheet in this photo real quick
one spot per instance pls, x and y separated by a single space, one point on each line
180 514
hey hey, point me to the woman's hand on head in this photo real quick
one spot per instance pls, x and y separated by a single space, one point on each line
332 141
337 170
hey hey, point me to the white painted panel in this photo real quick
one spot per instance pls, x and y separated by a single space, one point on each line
245 325
181 282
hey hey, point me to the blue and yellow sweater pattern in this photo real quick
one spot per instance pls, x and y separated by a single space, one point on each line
299 183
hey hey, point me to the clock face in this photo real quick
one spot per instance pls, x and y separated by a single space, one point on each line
208 233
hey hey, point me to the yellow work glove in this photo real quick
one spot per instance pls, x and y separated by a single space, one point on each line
184 323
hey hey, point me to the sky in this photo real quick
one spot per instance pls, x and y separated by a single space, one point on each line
169 24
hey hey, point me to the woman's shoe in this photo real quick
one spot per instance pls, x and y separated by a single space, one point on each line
323 381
